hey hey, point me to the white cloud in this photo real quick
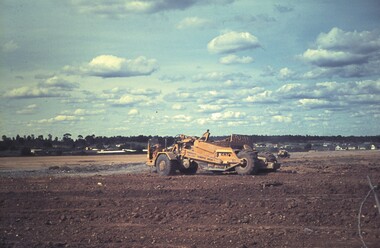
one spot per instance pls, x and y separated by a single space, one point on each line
130 100
313 103
59 83
228 115
133 112
144 91
344 53
220 77
9 46
178 106
234 59
231 118
84 112
193 22
185 95
50 87
282 118
202 121
366 86
327 58
286 88
139 6
132 96
124 8
237 123
358 42
112 66
331 93
263 97
268 71
116 93
30 109
286 73
182 118
33 92
209 108
233 42
61 118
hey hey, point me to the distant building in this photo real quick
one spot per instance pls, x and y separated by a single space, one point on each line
261 145
36 151
362 147
340 148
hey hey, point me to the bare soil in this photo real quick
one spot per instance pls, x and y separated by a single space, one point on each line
115 201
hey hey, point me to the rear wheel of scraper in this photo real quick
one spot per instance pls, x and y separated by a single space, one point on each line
190 170
249 165
268 156
165 166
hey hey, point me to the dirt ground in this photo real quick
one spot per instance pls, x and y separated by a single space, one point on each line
115 201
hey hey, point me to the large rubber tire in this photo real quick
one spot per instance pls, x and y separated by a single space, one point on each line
165 167
269 156
250 167
189 171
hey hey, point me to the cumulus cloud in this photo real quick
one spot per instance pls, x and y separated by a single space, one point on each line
281 118
59 83
286 88
209 108
327 58
220 77
262 97
61 118
228 115
130 100
286 74
357 42
50 87
107 66
144 91
28 110
85 112
193 22
185 95
344 53
116 93
229 118
268 71
33 92
133 112
182 118
178 106
233 42
332 94
234 59
314 103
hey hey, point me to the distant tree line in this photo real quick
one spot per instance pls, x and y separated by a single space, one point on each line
11 143
139 142
314 138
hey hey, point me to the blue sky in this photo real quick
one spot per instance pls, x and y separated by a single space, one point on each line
164 67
